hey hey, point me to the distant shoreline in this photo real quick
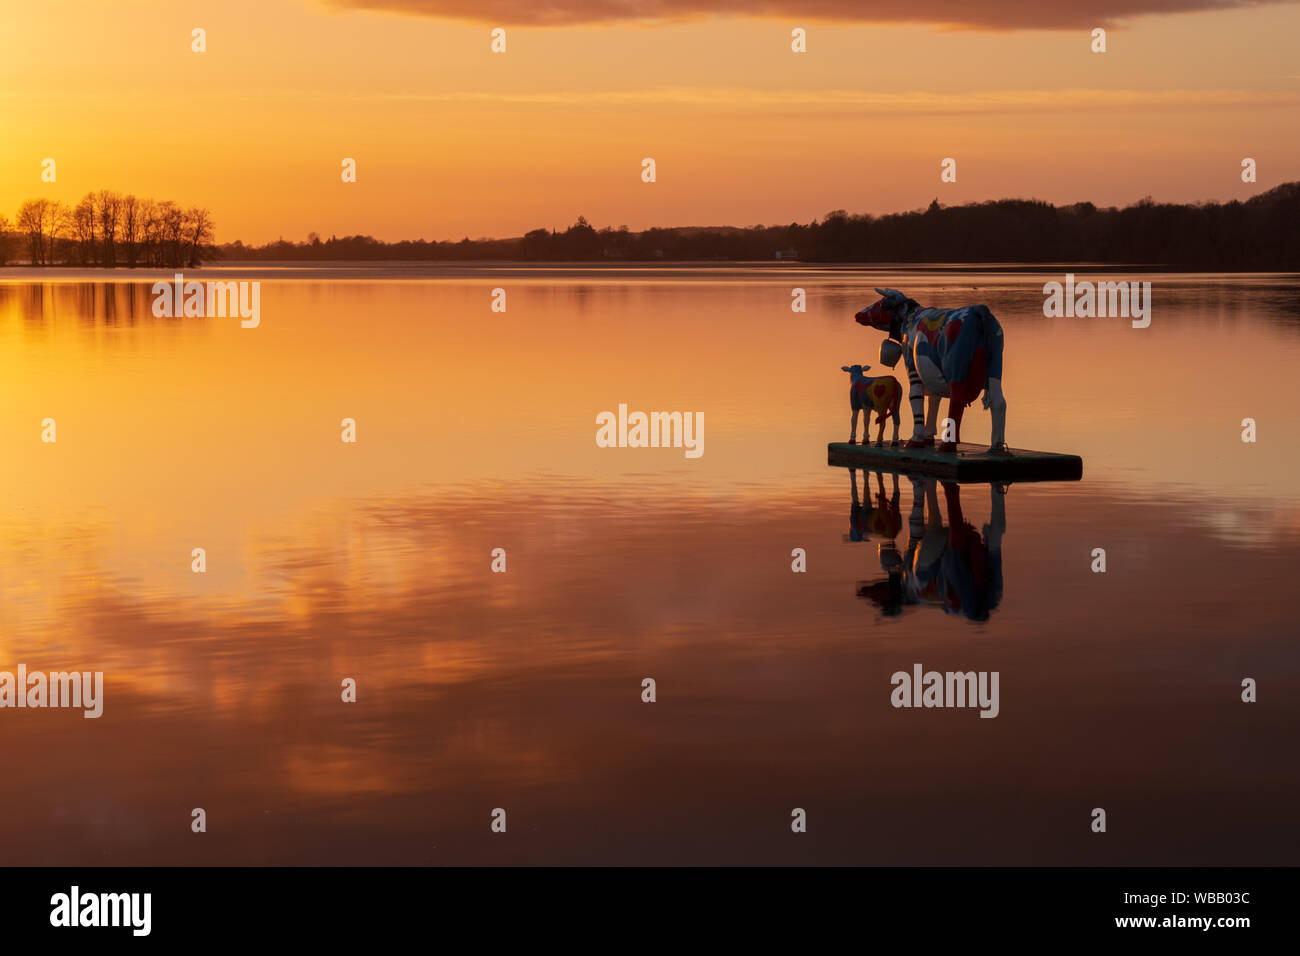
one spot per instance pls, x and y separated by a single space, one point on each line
1254 236
398 270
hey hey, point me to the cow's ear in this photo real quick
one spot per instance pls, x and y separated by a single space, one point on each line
883 293
845 368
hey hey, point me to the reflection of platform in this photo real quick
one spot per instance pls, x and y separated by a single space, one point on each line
969 463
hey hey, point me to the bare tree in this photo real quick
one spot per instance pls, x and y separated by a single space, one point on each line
150 230
31 220
173 232
129 213
104 228
83 230
41 220
58 229
198 230
109 204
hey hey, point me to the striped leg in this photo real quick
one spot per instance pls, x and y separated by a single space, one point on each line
916 398
916 519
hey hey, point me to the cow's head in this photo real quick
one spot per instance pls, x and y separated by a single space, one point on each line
887 314
886 594
855 371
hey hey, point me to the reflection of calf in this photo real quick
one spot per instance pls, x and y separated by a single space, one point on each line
884 520
881 394
954 568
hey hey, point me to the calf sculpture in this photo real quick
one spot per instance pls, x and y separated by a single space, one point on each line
949 353
881 394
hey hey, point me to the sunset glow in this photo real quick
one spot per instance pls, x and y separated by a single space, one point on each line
453 140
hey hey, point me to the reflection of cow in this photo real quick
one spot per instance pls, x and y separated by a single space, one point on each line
949 353
953 567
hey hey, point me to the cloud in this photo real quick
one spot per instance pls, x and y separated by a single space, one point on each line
742 100
865 102
986 15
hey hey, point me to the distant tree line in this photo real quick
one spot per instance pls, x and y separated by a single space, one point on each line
107 229
1259 234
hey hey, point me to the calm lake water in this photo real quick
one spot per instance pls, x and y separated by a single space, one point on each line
476 430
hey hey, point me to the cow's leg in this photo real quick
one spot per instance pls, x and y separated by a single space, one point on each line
997 525
916 398
897 418
916 518
936 538
955 410
998 412
932 417
915 532
932 503
931 382
958 530
853 428
880 428
993 398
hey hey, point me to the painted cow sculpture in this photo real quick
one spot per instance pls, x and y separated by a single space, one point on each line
949 353
882 394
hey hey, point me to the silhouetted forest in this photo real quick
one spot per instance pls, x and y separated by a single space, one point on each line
107 229
1259 234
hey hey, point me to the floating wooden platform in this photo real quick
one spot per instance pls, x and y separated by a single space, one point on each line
968 463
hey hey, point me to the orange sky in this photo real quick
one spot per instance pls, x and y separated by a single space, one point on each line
453 140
